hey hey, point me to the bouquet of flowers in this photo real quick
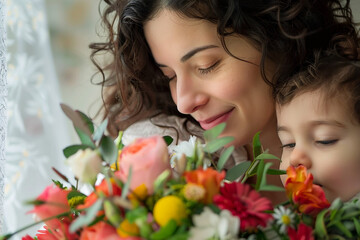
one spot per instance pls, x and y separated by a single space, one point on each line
147 190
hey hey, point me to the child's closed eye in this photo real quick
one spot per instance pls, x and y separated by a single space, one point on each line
327 142
288 145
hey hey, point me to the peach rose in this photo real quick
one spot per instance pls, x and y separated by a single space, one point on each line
99 231
148 158
55 203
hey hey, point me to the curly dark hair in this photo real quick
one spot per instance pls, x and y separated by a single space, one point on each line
335 76
285 31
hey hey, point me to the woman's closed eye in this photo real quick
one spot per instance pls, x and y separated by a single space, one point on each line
208 69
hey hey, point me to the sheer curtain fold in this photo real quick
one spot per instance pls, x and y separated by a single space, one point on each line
3 119
37 130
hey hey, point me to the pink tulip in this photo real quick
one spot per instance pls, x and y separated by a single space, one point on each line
99 231
148 158
55 203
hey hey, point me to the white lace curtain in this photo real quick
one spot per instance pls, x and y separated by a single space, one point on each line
3 94
37 130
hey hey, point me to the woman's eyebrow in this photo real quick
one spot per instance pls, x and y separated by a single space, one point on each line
191 53
195 51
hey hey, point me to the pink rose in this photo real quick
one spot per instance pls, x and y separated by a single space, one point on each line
99 231
148 157
55 203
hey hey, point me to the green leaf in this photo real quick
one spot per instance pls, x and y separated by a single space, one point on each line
276 172
214 132
84 138
118 141
108 150
264 156
161 179
126 186
342 228
87 120
71 150
320 228
99 132
271 188
224 157
137 213
216 144
76 118
73 194
237 171
257 149
180 236
88 217
261 175
168 140
164 232
357 225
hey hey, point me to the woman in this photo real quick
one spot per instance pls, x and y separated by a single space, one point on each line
214 61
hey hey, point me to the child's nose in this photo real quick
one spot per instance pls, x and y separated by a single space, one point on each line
300 157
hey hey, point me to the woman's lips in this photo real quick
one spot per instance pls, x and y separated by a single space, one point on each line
212 122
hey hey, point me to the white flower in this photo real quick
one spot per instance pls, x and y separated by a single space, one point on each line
208 225
189 148
85 164
283 217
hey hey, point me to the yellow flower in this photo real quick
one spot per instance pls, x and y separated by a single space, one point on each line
139 193
194 192
113 166
127 229
167 208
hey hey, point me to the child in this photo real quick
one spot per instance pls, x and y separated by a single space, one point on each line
318 115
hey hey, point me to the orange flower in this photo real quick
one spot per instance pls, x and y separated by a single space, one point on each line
300 189
104 189
209 179
99 231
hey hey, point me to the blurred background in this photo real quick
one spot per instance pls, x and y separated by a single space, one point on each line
48 64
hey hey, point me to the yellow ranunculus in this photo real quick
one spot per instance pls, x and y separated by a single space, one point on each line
167 208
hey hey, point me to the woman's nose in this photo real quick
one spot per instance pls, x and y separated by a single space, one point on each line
188 94
300 157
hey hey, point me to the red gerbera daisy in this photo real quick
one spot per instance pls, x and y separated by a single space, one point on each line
245 203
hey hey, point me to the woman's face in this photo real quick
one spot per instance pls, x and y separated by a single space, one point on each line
206 82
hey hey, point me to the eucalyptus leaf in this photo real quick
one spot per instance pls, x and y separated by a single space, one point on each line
257 149
217 144
237 171
320 228
264 156
213 133
84 138
99 132
108 150
87 120
88 217
168 140
70 150
76 118
161 179
126 187
224 157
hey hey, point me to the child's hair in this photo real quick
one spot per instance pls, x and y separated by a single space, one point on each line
335 76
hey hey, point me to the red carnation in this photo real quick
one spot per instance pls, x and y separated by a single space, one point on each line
303 232
245 203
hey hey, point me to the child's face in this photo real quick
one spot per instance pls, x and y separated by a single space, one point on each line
325 139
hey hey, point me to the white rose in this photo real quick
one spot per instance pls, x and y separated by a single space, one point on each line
85 164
